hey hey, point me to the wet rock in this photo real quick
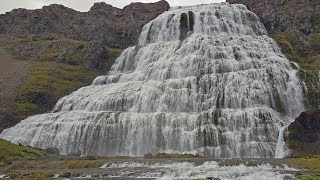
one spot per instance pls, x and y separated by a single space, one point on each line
148 155
186 24
52 150
306 127
66 175
212 178
304 133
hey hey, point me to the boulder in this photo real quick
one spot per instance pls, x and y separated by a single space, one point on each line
304 133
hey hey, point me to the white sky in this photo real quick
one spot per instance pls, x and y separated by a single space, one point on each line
84 5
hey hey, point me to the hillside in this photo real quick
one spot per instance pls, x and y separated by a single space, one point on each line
48 53
115 27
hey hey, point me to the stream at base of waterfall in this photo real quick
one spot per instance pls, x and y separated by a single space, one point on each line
199 169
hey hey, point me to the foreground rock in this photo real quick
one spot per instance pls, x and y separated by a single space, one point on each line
304 134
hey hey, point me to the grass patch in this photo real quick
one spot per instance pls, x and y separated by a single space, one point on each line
37 176
80 164
114 51
299 52
302 149
309 163
310 177
26 108
47 83
312 84
9 151
293 51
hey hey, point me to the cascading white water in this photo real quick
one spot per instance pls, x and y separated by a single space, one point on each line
190 170
204 79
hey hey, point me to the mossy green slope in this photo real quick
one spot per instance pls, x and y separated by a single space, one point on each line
309 164
47 83
300 48
59 67
9 151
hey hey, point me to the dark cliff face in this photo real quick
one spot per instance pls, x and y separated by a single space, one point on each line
304 133
280 16
116 27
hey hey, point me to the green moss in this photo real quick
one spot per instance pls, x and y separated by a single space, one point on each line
314 39
26 108
302 53
9 151
47 83
305 54
80 164
114 51
310 163
298 147
312 86
293 51
37 176
310 177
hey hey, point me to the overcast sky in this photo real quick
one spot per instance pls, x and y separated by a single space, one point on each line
84 5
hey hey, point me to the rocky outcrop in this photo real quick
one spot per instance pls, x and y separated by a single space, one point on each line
280 16
115 27
304 133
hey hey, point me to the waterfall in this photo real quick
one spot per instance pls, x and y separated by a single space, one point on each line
281 148
203 79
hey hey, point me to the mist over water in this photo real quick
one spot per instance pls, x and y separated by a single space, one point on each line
204 79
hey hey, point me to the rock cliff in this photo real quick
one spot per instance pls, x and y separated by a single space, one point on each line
280 16
115 27
304 134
